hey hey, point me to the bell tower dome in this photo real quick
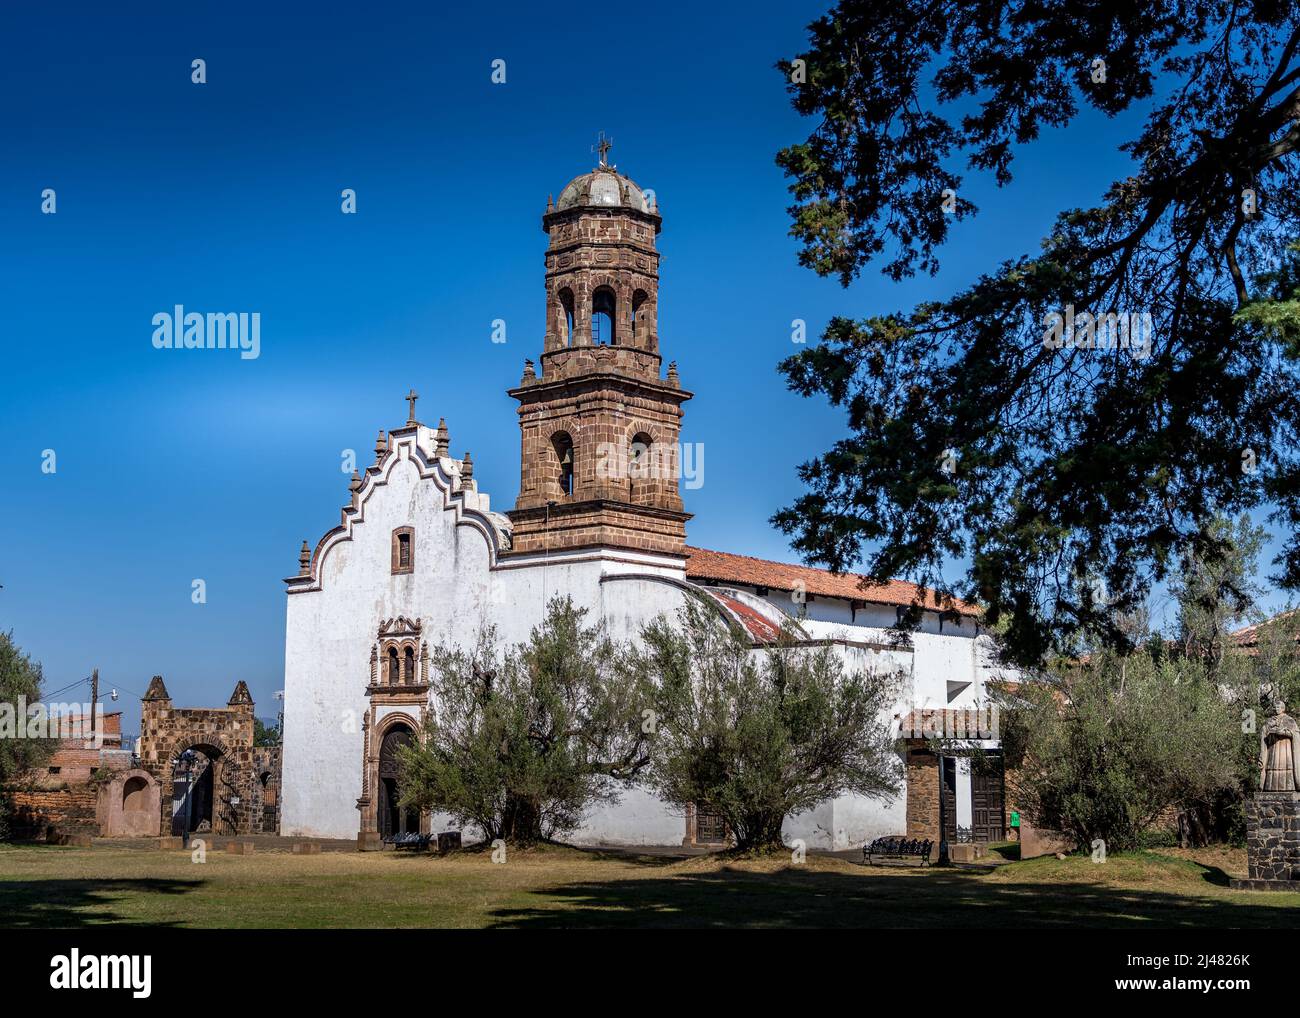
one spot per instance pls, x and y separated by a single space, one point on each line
600 426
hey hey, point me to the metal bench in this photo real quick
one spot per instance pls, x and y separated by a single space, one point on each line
899 849
411 840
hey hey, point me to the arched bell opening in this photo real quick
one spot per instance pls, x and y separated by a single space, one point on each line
604 316
562 445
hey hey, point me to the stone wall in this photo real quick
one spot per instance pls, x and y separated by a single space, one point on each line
1036 841
266 789
43 813
1011 802
223 734
922 795
72 793
1273 836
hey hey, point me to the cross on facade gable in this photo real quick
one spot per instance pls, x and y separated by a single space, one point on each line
411 397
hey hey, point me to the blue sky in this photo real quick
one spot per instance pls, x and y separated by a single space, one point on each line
225 196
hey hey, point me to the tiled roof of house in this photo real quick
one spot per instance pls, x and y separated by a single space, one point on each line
723 567
1248 636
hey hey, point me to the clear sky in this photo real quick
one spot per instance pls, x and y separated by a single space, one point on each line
225 196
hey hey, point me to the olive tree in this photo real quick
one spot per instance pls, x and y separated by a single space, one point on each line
523 741
761 733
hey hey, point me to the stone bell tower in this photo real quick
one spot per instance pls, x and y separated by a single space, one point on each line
600 421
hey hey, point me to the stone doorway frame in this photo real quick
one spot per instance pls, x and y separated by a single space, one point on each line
369 837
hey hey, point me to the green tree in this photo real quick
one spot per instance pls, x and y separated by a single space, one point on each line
1217 592
761 734
264 734
522 741
1272 664
20 681
1105 747
969 436
1216 596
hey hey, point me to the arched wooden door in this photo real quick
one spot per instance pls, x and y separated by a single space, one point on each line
393 817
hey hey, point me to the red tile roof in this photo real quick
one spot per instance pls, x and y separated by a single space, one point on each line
1248 636
763 630
723 567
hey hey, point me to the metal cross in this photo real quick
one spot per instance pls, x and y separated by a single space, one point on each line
603 146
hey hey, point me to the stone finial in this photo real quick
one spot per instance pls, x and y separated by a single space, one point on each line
156 690
530 372
241 696
381 446
673 377
354 486
304 560
550 203
444 443
467 468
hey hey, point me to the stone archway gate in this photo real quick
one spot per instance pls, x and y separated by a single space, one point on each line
167 731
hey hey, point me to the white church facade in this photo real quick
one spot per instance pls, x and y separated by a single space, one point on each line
421 557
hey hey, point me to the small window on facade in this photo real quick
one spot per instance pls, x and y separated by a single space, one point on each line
56 770
403 550
409 675
394 667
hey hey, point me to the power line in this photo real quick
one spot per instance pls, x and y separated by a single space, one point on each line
67 687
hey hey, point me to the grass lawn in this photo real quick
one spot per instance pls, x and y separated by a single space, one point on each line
47 886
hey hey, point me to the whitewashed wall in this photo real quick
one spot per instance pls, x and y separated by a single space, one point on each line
457 587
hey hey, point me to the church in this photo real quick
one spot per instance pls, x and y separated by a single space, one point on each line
421 557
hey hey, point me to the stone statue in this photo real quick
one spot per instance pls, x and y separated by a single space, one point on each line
1279 752
1273 813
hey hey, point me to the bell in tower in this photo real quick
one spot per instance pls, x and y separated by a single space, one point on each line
600 424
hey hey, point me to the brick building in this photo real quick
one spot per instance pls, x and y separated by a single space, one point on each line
89 787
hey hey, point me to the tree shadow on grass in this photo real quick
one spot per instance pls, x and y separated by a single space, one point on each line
1214 875
559 850
68 904
805 898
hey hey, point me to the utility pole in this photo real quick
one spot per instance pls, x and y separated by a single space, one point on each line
94 702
